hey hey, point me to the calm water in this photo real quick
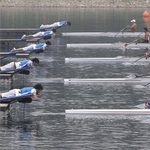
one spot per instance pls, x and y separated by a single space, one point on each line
43 124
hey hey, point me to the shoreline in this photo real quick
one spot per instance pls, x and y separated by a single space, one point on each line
77 3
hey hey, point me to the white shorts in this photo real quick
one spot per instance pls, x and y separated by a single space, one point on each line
8 66
30 47
38 34
54 25
14 92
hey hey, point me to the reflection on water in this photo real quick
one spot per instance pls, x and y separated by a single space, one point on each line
44 125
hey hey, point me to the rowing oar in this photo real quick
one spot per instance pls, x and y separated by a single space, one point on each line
144 55
134 41
146 84
133 76
3 57
122 30
143 75
139 35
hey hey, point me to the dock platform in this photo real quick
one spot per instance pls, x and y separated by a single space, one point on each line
13 42
9 31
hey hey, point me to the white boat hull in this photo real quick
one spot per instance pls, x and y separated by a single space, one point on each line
108 80
104 34
110 45
108 59
108 111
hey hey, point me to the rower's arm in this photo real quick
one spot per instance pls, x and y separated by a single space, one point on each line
34 93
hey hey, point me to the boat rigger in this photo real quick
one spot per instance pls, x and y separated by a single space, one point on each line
108 80
107 111
110 45
104 34
108 59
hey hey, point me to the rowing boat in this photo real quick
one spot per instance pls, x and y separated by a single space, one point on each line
104 34
108 80
107 59
110 45
108 111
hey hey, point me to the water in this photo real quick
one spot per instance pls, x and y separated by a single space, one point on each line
43 124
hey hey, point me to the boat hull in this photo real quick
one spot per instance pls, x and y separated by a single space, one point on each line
108 80
109 45
108 111
104 34
108 59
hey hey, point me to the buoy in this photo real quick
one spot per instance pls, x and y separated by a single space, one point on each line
145 14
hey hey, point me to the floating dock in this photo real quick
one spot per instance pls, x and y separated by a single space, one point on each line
13 42
18 30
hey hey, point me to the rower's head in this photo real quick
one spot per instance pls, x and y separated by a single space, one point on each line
145 29
38 88
35 61
133 20
48 43
68 23
54 30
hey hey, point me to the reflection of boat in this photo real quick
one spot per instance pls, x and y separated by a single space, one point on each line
104 34
108 111
107 80
110 45
108 59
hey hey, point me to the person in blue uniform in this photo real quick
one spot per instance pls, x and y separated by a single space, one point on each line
55 25
40 46
40 34
20 92
20 64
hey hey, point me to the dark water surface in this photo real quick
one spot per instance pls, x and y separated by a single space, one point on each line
43 125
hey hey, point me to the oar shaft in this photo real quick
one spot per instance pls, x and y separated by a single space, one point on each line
120 31
139 59
147 84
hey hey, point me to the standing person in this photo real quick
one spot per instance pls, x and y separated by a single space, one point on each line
55 25
132 27
40 34
21 64
26 90
40 46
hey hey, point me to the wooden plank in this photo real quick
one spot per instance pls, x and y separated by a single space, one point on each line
6 76
19 40
4 106
18 29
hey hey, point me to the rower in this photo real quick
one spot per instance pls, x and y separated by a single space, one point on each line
146 36
147 105
132 27
145 39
